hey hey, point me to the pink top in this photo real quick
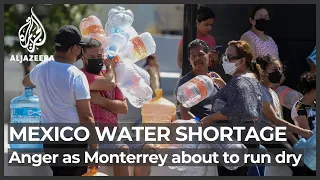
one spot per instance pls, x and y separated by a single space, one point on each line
102 115
207 38
263 48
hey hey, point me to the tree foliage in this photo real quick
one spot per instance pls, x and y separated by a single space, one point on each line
52 18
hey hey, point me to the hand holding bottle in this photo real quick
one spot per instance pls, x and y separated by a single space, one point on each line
216 78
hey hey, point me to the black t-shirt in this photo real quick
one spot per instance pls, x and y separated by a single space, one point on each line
300 109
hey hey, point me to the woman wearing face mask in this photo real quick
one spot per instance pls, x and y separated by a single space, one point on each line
240 101
256 37
272 111
205 21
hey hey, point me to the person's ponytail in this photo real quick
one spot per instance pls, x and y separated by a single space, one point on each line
256 69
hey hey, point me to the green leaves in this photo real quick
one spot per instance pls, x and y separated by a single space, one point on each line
52 18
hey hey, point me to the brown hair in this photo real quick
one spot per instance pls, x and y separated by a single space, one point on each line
255 9
244 51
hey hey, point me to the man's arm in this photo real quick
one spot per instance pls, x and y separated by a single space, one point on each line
114 106
184 112
27 82
82 95
105 82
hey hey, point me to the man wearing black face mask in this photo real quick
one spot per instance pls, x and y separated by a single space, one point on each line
64 95
107 101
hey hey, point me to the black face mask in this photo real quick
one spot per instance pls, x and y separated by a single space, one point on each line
94 66
275 76
262 24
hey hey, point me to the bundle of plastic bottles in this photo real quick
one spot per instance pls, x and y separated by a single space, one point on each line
122 43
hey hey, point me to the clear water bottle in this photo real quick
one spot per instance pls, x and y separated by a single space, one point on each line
132 85
143 73
92 27
309 149
195 90
25 109
118 29
140 47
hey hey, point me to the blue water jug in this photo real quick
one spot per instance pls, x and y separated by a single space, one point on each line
309 148
25 109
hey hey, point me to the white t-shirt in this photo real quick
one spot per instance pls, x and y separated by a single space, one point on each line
58 86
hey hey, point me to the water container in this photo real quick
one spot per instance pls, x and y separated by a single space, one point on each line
118 29
309 148
288 96
93 28
132 85
93 171
158 110
195 90
140 47
26 109
143 73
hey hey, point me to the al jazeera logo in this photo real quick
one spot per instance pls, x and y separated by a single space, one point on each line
31 35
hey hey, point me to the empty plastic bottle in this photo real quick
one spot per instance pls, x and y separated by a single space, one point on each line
309 149
288 96
25 109
93 28
143 73
117 30
140 47
132 85
195 90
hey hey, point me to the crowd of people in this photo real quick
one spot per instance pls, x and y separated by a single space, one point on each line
90 95
249 96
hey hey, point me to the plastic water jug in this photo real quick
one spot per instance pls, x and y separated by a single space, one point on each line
309 147
117 30
93 28
158 110
195 90
132 85
25 109
140 47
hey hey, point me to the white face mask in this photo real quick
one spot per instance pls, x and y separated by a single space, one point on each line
228 67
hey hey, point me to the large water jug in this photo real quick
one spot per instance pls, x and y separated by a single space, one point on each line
195 90
140 47
93 28
288 96
309 149
25 109
132 85
158 110
117 30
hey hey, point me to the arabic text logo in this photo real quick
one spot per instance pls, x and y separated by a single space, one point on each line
32 34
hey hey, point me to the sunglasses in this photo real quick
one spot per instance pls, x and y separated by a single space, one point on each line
228 58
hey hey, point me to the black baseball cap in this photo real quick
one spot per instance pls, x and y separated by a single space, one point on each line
70 35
